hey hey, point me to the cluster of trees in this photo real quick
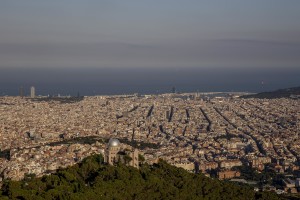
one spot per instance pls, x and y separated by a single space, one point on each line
282 93
267 176
92 179
137 144
228 136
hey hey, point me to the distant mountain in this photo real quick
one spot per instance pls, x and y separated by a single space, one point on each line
281 93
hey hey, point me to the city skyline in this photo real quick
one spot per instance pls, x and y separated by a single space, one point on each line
223 137
145 81
139 99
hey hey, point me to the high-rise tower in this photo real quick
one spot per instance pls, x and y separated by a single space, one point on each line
21 91
174 90
32 92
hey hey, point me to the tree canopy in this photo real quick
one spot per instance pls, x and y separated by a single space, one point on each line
92 179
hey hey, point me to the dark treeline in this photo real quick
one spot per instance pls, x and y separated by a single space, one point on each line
92 179
282 93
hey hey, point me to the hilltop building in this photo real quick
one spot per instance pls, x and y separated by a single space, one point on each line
115 153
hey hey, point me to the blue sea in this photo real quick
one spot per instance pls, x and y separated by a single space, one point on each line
108 81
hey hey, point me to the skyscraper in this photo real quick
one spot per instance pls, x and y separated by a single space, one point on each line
32 92
21 91
174 90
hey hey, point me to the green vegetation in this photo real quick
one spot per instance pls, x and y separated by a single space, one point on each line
264 177
282 93
141 158
78 140
227 136
92 179
138 144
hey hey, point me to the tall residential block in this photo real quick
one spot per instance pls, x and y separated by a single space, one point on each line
32 92
21 91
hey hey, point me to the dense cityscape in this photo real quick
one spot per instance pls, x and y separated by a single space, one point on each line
150 100
220 135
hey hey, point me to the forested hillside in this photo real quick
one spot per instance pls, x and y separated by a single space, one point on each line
282 93
92 179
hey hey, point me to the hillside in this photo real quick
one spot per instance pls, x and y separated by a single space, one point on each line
92 179
282 93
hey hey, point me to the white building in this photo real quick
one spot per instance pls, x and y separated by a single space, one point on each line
32 92
115 153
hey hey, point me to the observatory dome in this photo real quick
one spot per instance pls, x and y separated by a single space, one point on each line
113 142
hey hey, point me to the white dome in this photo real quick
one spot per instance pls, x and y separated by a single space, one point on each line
113 142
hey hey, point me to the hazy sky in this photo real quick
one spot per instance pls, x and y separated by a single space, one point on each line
156 33
152 34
